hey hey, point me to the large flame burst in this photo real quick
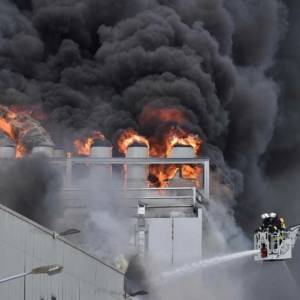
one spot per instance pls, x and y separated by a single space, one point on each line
160 175
16 123
158 115
174 136
128 138
83 144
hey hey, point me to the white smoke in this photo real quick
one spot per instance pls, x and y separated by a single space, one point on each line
100 211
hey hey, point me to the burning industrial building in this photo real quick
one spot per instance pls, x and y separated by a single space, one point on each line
116 115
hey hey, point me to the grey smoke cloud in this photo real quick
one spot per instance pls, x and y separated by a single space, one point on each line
78 64
30 186
233 65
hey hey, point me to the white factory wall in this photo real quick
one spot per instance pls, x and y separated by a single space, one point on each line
176 240
25 245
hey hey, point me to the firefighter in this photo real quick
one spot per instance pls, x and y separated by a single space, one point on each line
282 228
274 222
282 224
277 226
266 221
262 227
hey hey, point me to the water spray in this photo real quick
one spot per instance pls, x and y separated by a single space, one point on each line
199 265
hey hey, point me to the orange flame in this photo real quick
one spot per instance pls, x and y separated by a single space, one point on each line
175 136
6 127
34 111
83 145
129 137
159 175
192 172
152 114
10 118
17 122
180 138
20 151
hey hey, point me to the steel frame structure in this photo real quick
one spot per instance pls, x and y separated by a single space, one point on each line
69 163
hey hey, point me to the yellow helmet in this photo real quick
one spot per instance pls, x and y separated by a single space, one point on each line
282 222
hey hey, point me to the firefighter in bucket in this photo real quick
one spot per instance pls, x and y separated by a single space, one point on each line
272 223
273 239
274 227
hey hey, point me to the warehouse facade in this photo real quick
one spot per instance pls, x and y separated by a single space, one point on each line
25 245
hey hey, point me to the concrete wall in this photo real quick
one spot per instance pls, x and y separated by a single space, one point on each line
25 245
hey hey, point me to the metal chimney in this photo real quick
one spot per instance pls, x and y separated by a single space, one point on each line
43 149
136 175
7 151
7 147
58 153
181 151
101 149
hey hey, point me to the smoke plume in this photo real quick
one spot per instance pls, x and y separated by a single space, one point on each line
230 67
30 186
101 65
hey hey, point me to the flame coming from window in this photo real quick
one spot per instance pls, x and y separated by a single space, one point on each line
83 145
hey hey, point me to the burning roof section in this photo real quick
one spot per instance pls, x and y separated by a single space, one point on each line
20 129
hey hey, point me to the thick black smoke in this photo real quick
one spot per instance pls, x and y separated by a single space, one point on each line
231 66
30 186
99 64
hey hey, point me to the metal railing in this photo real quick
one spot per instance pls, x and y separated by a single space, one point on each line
144 194
69 163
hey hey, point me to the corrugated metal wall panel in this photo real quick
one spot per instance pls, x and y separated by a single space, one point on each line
87 291
110 285
70 287
79 265
9 267
24 245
